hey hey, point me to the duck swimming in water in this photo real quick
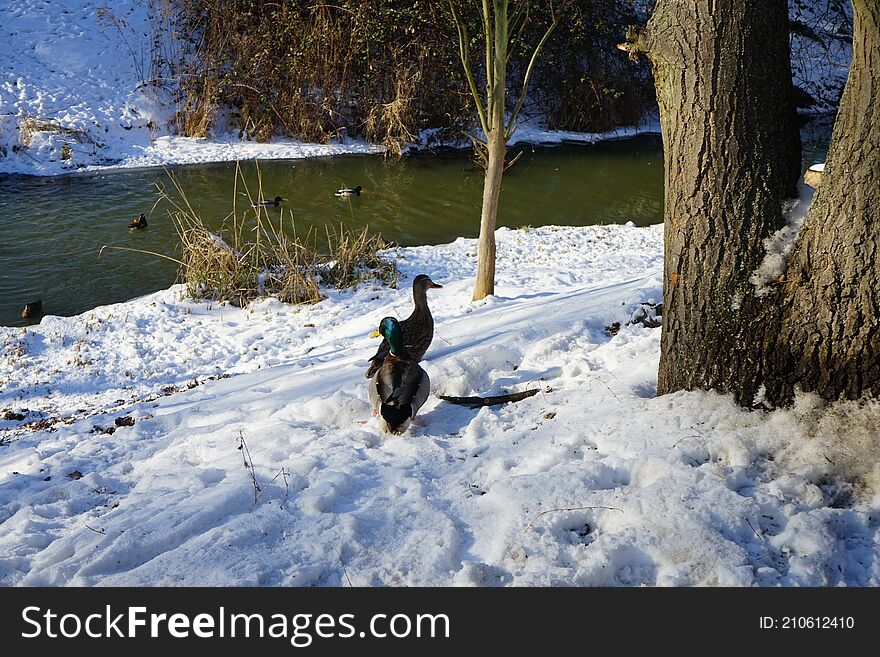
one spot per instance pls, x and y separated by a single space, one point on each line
140 222
274 203
349 191
33 309
400 387
417 329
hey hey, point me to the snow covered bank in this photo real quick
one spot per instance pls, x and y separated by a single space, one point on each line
593 481
69 78
532 133
821 51
72 91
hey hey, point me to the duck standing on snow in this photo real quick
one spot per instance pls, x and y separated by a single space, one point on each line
140 222
349 191
400 387
417 329
274 203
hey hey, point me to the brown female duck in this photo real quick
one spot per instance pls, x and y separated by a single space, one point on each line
417 329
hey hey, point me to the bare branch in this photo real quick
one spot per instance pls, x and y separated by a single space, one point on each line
508 131
570 508
487 33
513 161
464 53
518 20
478 402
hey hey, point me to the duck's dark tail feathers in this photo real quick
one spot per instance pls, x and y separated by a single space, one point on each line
375 364
396 416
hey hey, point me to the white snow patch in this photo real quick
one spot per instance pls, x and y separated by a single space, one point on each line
532 132
779 245
736 301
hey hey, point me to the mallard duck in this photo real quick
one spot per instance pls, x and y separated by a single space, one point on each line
400 387
274 203
417 329
33 309
349 191
140 222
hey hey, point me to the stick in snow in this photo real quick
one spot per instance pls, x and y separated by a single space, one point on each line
477 402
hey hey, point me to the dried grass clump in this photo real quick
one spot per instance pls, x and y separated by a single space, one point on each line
212 268
352 259
31 125
389 123
253 257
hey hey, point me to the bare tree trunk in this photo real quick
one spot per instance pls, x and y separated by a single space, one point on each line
496 151
498 18
485 282
732 155
830 337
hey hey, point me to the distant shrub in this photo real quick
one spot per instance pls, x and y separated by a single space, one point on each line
582 82
387 69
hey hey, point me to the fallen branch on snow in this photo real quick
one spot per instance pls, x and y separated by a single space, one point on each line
570 508
478 402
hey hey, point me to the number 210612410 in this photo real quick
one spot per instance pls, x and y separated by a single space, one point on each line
807 622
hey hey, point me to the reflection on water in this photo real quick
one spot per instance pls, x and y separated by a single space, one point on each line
815 134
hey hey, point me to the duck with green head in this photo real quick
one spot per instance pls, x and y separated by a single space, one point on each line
400 387
349 191
274 203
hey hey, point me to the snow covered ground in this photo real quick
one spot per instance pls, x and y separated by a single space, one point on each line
73 91
123 430
65 65
821 49
594 481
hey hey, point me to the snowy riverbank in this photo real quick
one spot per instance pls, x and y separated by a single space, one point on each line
682 490
70 79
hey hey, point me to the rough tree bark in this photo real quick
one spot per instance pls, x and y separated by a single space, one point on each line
722 71
829 341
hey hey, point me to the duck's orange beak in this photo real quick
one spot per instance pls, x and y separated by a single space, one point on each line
375 334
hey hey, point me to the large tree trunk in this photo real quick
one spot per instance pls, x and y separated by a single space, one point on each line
830 337
732 155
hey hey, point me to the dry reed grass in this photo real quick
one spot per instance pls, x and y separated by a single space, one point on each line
255 256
